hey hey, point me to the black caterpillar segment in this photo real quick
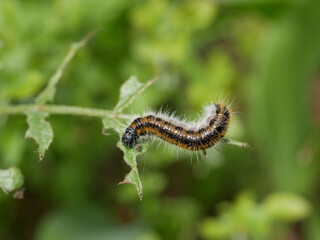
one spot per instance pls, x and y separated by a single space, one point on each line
208 133
130 137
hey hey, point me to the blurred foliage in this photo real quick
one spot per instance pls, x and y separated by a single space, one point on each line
262 54
249 220
11 179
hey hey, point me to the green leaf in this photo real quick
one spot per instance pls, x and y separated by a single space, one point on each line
130 157
11 179
129 91
40 130
130 154
112 123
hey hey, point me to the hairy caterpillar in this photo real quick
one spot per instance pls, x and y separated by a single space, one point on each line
195 137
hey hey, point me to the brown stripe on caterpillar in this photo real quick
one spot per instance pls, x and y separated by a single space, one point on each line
208 132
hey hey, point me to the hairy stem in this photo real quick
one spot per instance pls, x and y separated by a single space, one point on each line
60 109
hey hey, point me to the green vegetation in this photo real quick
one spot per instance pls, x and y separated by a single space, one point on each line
262 55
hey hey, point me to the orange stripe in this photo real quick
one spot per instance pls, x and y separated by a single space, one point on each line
221 119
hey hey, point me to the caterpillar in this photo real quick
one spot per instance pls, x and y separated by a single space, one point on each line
195 137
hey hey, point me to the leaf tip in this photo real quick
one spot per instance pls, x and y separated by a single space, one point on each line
123 182
41 156
139 189
140 195
105 131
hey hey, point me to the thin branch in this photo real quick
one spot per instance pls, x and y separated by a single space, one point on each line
61 110
48 93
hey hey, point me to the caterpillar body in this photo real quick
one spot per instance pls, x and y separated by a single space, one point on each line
195 137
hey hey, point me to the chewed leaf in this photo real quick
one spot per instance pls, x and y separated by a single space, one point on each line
111 123
129 91
11 179
40 130
130 157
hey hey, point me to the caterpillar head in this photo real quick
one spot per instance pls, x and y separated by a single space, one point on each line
130 137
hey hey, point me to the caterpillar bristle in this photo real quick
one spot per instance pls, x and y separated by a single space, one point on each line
197 136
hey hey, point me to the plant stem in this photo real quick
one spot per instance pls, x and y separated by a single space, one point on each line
60 109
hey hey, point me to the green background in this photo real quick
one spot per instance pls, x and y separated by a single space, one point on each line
262 55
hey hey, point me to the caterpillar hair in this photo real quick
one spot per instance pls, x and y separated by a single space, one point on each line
191 136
